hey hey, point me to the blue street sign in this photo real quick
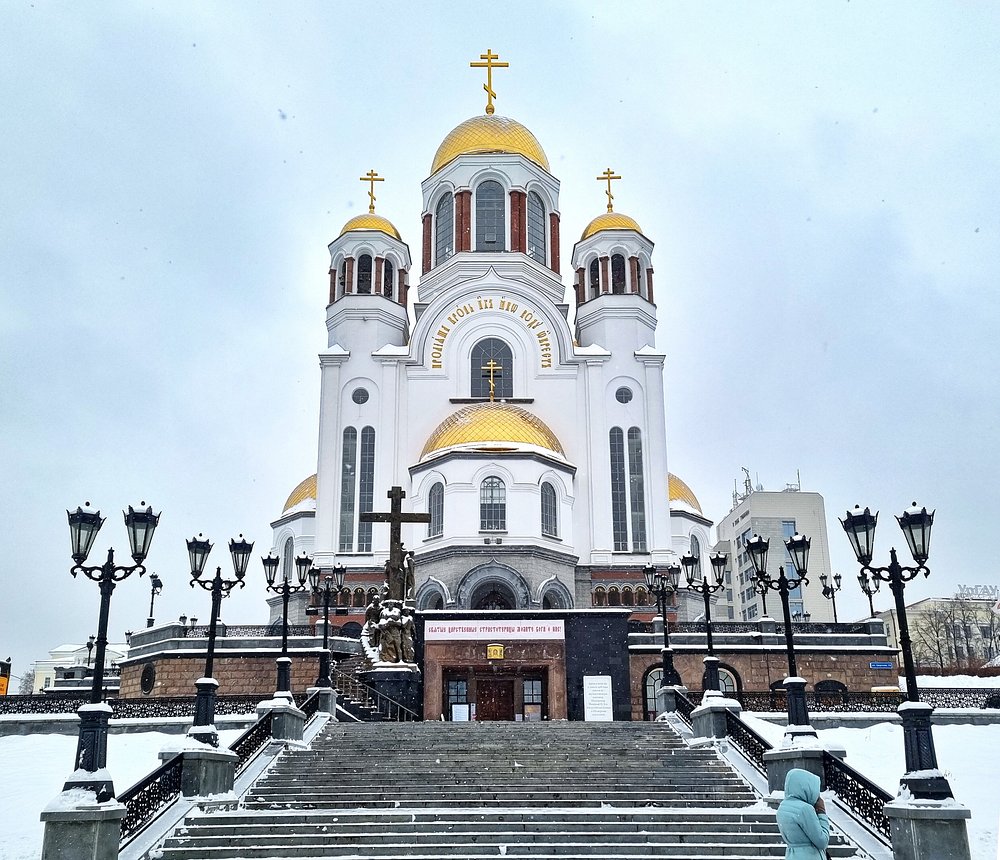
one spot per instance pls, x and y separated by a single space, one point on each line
886 665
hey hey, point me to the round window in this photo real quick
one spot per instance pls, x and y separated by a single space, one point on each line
360 395
147 679
623 395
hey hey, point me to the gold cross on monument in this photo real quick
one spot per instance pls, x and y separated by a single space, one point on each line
371 177
492 368
607 176
489 65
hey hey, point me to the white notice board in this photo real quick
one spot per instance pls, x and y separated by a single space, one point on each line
598 706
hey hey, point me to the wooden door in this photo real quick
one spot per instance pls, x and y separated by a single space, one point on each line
494 699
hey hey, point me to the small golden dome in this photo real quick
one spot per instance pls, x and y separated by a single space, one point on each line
610 221
305 490
681 492
491 426
371 221
489 134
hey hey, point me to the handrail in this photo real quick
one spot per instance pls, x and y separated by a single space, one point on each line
858 793
684 707
747 741
149 796
248 743
388 709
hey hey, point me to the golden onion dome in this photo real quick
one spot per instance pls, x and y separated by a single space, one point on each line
610 221
681 492
371 221
305 490
489 426
489 134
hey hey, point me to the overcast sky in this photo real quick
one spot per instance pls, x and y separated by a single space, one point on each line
821 182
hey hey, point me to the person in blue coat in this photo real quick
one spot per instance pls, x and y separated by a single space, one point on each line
802 818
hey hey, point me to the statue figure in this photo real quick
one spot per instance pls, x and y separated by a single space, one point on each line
390 629
370 633
409 582
407 634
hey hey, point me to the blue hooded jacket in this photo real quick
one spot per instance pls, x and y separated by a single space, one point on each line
805 832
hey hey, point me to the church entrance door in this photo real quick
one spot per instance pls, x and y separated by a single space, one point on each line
494 699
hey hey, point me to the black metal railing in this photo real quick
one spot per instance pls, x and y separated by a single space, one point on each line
856 628
150 796
684 707
858 793
747 741
153 706
249 743
386 708
249 631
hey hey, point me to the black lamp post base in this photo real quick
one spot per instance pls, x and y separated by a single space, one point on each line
798 712
284 689
711 676
324 670
92 752
918 746
102 787
204 713
671 677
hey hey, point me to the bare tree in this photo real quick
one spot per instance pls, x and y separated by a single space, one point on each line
26 684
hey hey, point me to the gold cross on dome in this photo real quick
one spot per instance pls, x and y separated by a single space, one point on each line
489 65
607 176
490 369
371 177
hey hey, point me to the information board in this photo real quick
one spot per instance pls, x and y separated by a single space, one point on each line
598 706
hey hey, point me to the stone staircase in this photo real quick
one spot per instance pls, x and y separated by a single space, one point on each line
429 791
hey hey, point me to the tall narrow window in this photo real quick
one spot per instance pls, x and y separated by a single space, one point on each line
366 487
288 560
617 274
550 523
492 358
342 278
695 548
365 273
536 228
595 278
444 229
619 496
435 507
493 505
490 217
388 270
348 473
636 490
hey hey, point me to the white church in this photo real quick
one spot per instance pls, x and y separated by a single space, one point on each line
526 418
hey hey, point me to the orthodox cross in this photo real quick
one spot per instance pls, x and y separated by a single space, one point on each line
489 65
607 176
395 574
371 177
490 369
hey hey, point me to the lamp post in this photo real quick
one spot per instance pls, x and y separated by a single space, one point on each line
830 591
325 586
90 648
699 584
869 587
918 742
198 549
92 745
662 585
155 587
285 589
798 549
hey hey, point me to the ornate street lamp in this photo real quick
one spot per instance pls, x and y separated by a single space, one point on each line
285 589
155 587
198 549
663 585
830 591
701 585
922 777
325 586
90 648
798 549
870 588
92 746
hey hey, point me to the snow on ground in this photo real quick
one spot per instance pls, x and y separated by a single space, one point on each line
936 682
35 767
968 755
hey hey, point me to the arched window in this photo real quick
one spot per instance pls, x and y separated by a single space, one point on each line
435 507
641 597
595 278
388 271
618 274
372 593
365 273
359 598
342 278
536 228
492 356
444 229
654 679
345 597
492 505
696 548
727 681
638 496
288 560
628 596
619 494
348 475
600 596
550 524
490 217
366 487
614 596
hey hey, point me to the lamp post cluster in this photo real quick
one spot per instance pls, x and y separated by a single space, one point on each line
798 548
922 776
198 550
701 585
325 586
663 586
92 745
303 564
